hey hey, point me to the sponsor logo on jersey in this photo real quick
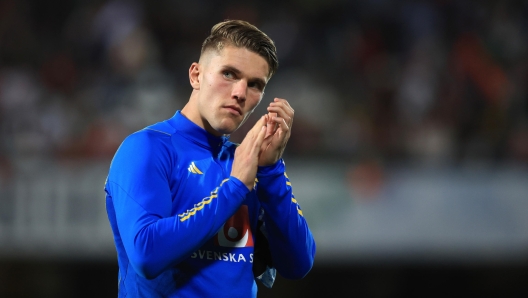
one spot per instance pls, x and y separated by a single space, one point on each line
194 169
222 256
236 231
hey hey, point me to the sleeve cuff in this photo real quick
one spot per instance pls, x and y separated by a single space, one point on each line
240 187
273 170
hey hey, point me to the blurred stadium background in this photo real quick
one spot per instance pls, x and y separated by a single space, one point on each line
409 152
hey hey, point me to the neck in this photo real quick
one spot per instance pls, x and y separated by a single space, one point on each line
191 112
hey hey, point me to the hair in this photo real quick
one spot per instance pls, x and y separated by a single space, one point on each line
242 34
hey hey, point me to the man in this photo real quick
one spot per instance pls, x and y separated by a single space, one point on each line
194 215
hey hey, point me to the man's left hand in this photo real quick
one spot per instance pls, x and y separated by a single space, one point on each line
278 130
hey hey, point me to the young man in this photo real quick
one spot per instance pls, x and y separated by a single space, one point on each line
194 215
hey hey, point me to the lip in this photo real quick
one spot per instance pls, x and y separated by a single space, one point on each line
234 108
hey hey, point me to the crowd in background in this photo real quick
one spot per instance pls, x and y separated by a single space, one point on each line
431 82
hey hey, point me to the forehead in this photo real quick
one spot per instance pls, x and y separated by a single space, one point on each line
244 60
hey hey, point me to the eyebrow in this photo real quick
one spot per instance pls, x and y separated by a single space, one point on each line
238 72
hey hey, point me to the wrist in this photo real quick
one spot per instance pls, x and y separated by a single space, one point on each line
275 169
239 183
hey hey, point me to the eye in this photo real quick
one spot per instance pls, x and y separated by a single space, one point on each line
255 85
227 74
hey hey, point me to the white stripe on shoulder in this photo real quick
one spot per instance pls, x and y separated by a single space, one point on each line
158 131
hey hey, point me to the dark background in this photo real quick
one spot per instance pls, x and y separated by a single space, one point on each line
41 278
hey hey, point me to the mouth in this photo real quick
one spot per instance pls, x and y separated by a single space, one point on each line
234 109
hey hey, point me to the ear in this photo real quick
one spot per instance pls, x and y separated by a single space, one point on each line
194 75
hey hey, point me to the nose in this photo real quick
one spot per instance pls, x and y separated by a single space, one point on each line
239 90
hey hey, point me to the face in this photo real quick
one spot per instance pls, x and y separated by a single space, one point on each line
227 86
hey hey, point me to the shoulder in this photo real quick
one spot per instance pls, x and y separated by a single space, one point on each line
143 151
152 141
157 133
163 128
145 139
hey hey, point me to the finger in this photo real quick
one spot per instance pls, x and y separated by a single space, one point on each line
257 145
283 130
282 102
283 109
260 137
256 128
281 124
249 140
281 113
271 126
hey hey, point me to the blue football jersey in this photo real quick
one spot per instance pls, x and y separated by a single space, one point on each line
183 227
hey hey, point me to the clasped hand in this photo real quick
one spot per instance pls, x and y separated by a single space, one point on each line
264 144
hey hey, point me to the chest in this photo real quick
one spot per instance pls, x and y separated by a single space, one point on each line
196 175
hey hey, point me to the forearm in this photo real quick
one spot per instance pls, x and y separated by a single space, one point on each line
154 242
291 242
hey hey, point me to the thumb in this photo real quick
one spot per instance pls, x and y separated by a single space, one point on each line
260 123
260 137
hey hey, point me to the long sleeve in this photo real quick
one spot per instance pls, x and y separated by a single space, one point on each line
291 242
139 188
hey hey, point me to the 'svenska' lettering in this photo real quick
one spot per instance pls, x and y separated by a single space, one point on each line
220 256
241 257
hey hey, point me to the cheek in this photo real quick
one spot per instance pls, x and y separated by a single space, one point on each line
255 102
254 97
214 84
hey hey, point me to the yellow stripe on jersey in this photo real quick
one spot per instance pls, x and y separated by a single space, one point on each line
199 206
299 211
294 201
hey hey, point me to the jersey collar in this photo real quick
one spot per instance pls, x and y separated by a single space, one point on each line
195 133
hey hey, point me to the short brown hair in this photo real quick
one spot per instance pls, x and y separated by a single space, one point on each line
243 35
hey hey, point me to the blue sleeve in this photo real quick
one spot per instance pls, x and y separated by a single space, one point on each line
291 242
138 183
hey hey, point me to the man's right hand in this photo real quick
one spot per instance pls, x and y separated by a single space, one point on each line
246 159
